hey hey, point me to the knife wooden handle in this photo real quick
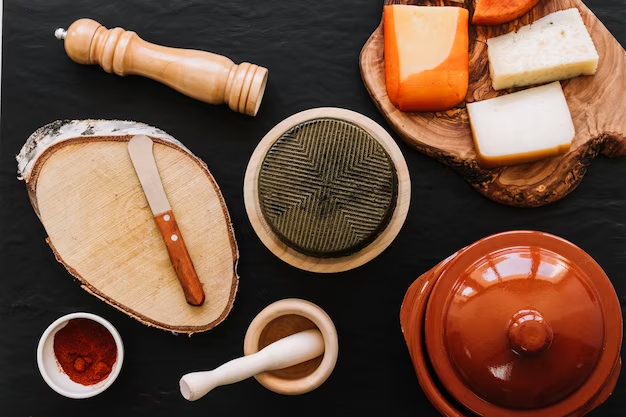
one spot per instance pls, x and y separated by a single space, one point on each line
181 261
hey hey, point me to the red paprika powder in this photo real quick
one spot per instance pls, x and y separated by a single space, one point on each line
86 351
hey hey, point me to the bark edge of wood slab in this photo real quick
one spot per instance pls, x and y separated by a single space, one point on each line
83 188
597 104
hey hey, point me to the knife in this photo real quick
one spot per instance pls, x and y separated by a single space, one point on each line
141 154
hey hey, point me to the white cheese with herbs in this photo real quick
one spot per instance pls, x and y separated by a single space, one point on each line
555 47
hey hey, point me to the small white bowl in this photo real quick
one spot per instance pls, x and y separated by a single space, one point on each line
51 370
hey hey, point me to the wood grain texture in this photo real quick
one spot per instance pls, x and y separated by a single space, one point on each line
179 255
597 104
100 227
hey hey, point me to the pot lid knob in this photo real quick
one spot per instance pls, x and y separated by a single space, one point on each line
529 333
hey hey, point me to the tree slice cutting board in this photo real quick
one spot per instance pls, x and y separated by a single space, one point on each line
86 193
597 104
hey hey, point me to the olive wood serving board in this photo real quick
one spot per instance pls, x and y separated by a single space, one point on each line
86 193
597 104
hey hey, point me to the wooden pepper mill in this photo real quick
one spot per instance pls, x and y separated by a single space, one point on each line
205 76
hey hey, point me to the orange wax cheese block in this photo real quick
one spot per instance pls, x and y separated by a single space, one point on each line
426 56
497 12
521 127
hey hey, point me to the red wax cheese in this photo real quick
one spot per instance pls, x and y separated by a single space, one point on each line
497 12
426 56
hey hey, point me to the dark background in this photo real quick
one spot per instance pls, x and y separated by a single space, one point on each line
311 49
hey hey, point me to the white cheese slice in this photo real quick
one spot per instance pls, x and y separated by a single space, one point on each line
521 127
555 47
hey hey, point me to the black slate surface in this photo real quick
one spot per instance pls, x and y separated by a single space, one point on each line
311 50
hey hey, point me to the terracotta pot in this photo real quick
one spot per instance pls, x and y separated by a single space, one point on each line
521 323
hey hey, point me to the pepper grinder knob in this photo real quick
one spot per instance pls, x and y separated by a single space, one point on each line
205 76
60 33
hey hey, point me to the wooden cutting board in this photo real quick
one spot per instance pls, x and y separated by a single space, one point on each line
85 190
597 104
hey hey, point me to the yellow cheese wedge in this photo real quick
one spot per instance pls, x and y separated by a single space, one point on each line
426 56
525 126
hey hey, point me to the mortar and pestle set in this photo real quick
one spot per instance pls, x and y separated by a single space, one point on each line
291 348
517 324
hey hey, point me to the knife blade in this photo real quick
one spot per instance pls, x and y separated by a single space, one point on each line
140 149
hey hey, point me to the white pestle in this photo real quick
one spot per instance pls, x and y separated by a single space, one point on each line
283 353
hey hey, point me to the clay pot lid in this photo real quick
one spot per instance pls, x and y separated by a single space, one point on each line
523 323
